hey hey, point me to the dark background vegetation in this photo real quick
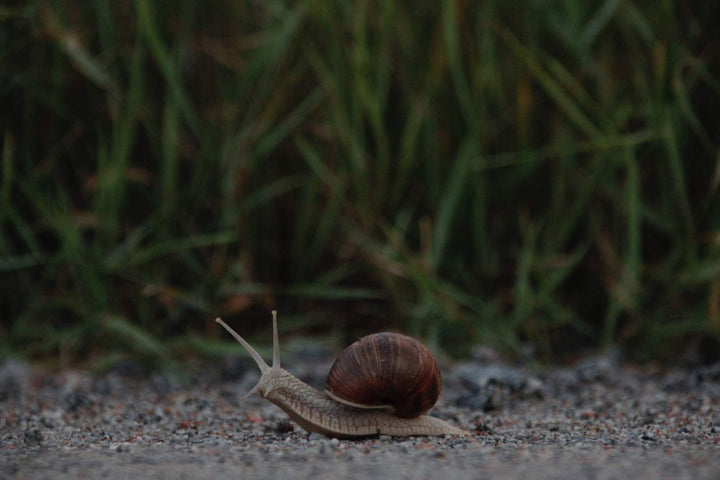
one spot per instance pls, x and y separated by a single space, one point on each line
541 176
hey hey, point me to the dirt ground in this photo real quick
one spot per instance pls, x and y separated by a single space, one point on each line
597 419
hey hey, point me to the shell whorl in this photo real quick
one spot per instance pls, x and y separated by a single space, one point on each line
386 369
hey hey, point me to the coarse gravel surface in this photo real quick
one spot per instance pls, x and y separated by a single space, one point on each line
597 419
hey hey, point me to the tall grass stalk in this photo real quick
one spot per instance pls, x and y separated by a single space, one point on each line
511 173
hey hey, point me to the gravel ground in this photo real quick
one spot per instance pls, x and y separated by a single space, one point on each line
597 419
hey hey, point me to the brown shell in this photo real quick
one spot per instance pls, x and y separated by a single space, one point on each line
387 369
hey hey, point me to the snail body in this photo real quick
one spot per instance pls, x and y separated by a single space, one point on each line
379 410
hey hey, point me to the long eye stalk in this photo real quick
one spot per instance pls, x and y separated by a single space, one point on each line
264 367
276 342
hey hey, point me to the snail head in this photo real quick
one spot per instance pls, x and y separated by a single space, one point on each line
267 372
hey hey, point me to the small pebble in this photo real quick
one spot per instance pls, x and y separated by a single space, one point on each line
33 438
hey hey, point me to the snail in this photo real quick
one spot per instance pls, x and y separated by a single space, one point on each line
393 392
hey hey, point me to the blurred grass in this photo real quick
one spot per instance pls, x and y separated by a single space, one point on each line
522 174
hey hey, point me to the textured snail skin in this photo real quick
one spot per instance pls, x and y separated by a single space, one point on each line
314 411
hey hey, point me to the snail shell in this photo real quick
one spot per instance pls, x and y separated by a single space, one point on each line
386 370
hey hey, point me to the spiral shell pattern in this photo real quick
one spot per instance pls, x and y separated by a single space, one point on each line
387 369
